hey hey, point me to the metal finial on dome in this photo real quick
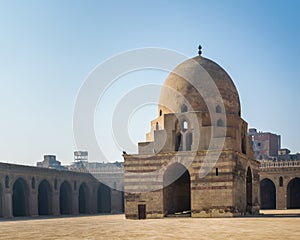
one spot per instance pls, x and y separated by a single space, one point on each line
199 48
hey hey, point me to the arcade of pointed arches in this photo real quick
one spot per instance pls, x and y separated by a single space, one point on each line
269 191
21 196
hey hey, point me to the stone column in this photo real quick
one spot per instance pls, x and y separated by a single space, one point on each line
93 200
55 203
33 203
280 197
7 204
75 208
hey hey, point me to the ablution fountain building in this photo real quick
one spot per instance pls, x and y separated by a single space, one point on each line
197 158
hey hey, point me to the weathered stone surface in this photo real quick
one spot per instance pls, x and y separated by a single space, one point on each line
209 151
39 185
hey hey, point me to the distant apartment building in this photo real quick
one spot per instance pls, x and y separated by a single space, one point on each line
50 162
265 145
285 155
109 173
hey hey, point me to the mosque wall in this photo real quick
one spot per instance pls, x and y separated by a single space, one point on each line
32 191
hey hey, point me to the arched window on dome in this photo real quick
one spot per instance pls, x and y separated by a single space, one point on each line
160 112
220 123
184 108
184 125
218 109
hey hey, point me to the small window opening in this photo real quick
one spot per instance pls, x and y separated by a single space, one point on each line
218 109
185 125
217 172
33 183
220 123
6 182
280 181
55 184
184 108
244 144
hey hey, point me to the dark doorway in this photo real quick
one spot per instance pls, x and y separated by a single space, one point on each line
1 207
176 192
244 144
249 191
83 198
178 145
142 211
293 194
20 198
104 199
44 198
65 198
123 202
267 194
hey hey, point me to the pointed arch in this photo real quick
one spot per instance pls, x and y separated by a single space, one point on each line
293 194
249 202
267 194
20 198
45 198
104 198
83 198
176 191
65 198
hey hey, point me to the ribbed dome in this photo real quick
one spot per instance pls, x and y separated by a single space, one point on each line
188 79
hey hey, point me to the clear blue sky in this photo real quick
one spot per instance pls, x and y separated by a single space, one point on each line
47 48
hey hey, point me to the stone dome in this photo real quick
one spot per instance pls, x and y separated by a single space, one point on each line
180 92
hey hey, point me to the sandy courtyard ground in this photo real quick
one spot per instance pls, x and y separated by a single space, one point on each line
117 227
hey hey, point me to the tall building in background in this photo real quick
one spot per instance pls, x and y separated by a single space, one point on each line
50 162
265 145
